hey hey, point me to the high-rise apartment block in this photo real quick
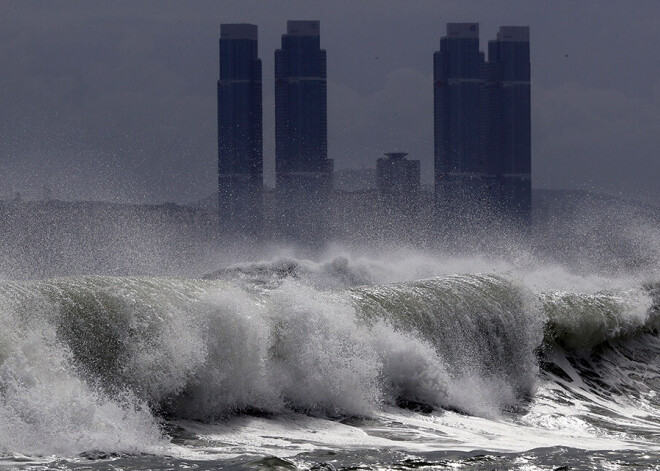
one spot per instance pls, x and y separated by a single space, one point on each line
459 164
482 123
240 146
509 62
303 170
482 130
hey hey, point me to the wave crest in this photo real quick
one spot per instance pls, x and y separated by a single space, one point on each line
113 351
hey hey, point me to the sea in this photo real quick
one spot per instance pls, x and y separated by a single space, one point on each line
416 360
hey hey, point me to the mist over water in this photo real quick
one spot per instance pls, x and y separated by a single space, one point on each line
130 330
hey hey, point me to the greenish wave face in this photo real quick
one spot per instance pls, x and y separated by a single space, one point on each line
581 322
484 327
143 348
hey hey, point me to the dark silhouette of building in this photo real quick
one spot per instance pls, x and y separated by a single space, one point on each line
398 181
509 61
240 146
303 170
459 164
482 124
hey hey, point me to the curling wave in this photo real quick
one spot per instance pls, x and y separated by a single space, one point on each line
94 358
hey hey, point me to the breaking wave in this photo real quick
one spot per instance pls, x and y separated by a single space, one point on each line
99 362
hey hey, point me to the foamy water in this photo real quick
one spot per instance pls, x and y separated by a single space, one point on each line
345 360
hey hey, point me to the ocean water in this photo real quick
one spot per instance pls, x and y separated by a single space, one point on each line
350 362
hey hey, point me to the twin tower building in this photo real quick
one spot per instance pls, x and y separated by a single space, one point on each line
482 129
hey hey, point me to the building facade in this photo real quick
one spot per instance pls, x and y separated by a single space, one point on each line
303 170
482 124
240 135
510 62
458 158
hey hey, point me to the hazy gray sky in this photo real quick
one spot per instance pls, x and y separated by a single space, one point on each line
116 99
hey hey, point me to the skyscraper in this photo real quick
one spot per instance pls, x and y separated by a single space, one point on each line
303 170
510 62
457 73
240 147
482 123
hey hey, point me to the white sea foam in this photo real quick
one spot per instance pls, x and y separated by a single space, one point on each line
90 363
46 408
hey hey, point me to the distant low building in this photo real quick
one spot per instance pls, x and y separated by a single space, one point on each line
398 181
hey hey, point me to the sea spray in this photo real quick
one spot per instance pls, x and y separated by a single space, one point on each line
206 349
47 408
580 322
484 329
96 358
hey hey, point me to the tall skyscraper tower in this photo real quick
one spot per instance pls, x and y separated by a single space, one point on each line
240 137
483 123
457 73
509 58
303 170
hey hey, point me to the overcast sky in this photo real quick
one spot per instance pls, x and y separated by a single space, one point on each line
116 100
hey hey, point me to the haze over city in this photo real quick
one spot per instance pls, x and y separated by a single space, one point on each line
116 101
320 234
